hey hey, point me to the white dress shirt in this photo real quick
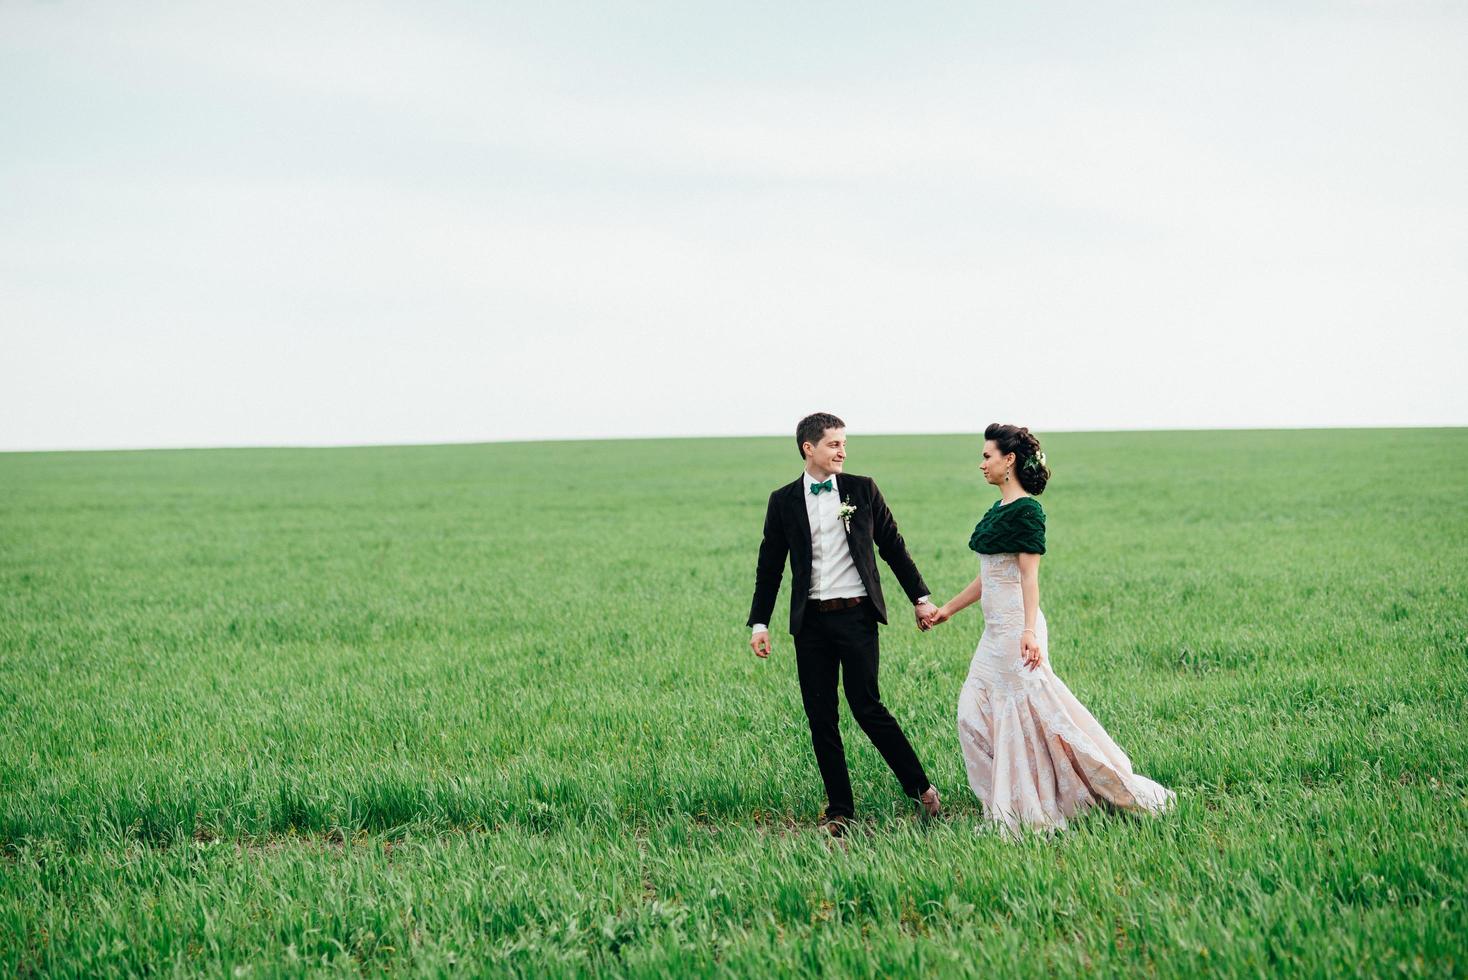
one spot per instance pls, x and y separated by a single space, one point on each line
833 573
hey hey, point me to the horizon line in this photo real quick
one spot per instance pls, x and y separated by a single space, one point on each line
684 437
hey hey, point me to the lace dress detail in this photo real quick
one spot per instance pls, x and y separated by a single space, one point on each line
1035 756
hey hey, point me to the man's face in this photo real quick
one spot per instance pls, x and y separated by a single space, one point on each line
828 456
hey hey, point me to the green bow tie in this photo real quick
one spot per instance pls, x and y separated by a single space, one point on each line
816 488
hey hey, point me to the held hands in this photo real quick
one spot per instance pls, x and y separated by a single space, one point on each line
929 615
760 644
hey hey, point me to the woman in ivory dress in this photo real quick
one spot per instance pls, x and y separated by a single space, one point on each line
1035 756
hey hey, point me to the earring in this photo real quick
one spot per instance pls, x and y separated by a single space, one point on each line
1006 476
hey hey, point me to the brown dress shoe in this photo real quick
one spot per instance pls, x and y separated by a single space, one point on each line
929 801
836 826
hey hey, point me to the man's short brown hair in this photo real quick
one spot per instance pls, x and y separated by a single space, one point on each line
812 427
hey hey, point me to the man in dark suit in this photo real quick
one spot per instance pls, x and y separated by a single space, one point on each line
828 521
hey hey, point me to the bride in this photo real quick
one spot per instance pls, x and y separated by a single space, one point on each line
1035 756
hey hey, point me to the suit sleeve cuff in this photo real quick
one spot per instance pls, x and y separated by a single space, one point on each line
759 628
922 600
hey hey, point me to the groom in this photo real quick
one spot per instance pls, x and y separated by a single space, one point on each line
827 522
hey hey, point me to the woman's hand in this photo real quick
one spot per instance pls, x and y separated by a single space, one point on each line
939 615
1029 649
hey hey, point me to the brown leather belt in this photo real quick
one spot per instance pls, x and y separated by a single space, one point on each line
831 605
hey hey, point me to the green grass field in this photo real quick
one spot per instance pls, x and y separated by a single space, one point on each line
492 709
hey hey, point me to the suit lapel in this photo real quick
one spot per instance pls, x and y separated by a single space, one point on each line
795 500
857 540
852 489
843 490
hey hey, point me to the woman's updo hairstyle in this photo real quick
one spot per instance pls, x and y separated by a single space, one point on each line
1029 459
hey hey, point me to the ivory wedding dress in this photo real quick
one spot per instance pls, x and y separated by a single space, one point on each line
1035 756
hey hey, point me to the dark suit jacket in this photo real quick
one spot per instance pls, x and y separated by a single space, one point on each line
787 531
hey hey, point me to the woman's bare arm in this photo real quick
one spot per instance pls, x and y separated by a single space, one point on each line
963 600
1029 585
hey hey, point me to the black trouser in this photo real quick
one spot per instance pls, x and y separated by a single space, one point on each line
847 638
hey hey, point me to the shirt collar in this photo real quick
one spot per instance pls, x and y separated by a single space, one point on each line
807 480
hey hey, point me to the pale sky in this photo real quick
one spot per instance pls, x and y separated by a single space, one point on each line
344 223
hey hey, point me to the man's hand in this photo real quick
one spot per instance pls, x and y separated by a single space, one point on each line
924 612
940 615
760 644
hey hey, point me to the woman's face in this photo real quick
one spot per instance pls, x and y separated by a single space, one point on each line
994 463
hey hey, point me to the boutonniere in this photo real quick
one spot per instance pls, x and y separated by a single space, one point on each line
845 512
